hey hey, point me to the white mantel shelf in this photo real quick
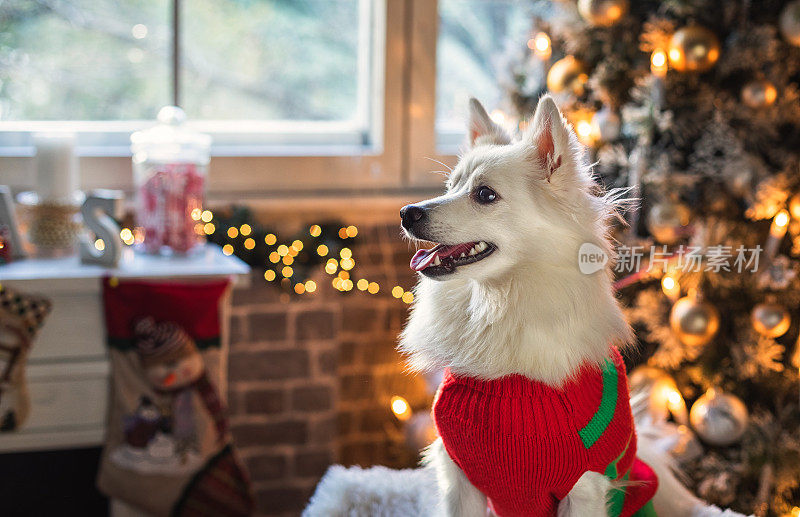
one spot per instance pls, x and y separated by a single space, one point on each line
207 261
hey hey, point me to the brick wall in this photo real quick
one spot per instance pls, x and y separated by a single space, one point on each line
311 376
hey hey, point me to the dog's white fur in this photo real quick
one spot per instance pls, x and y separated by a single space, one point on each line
526 308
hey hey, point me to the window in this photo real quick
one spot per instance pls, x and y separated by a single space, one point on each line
253 73
476 38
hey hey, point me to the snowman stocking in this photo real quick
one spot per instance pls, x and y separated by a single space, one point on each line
168 447
21 316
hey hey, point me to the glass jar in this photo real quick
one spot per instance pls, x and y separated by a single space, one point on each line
170 164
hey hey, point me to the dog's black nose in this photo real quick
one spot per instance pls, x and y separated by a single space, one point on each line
411 214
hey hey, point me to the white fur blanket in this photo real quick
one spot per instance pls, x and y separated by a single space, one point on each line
374 492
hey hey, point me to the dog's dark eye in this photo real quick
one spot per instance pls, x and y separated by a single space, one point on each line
485 195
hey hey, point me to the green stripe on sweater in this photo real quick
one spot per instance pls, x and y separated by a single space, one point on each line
617 499
608 405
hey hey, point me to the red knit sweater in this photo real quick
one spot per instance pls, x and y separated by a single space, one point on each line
524 444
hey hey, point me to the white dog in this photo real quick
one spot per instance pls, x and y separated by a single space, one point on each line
503 296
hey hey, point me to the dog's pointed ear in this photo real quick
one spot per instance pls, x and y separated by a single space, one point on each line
549 134
482 129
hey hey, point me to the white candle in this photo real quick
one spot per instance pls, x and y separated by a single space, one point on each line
56 167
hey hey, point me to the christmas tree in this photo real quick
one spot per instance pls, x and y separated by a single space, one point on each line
695 106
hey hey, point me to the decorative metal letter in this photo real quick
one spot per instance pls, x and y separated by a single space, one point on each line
97 210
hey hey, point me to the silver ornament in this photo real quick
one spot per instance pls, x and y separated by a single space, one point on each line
759 94
667 222
770 319
719 418
789 23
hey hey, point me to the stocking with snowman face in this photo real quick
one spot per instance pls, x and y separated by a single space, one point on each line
168 448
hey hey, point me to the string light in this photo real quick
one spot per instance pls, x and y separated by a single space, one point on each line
670 287
540 44
311 286
299 288
287 260
347 263
397 291
297 245
346 253
196 214
408 297
344 275
127 236
249 243
283 250
245 230
206 216
347 285
351 231
274 257
287 271
373 288
658 63
362 284
342 233
227 249
315 230
209 228
233 232
400 408
322 250
270 239
269 275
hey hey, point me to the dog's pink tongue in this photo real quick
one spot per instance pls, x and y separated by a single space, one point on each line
423 259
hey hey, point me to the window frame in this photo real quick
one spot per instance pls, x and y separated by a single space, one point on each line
314 160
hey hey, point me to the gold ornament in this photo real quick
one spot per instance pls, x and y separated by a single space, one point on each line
667 221
694 322
602 13
770 319
719 418
789 23
693 49
759 94
567 73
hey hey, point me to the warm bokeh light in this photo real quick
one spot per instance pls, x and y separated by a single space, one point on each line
347 263
299 288
283 250
540 44
322 250
362 284
287 271
400 408
233 232
297 245
227 249
245 230
196 214
270 239
269 275
315 230
274 257
127 236
249 243
373 288
351 231
498 117
288 260
658 63
408 297
206 216
99 245
671 287
346 253
397 291
311 286
209 228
